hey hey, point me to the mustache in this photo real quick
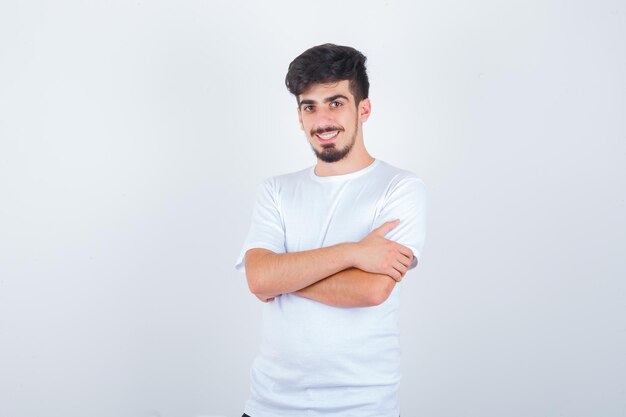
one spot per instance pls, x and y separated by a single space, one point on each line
322 130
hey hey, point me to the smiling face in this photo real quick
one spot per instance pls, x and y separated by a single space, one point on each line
332 120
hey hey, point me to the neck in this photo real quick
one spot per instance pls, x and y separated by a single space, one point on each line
357 159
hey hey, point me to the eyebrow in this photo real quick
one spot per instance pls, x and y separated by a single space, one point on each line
326 100
335 97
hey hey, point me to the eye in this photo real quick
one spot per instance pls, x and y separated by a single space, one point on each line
308 108
336 104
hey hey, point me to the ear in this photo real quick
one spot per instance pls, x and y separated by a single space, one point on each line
365 108
300 118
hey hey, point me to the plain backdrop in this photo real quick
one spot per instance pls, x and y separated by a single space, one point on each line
133 135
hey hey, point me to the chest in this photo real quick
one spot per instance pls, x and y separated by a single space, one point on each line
327 214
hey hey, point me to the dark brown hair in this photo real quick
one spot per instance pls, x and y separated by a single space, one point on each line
325 64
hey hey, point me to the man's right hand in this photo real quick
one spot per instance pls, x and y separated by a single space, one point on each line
378 255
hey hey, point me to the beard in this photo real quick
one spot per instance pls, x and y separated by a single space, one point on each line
329 152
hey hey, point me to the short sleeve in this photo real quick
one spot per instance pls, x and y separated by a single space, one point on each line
406 201
266 227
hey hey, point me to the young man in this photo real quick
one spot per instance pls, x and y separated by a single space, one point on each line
326 250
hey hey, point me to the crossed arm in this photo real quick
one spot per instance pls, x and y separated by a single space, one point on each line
345 275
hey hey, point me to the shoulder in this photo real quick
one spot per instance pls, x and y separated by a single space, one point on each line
400 178
290 177
276 183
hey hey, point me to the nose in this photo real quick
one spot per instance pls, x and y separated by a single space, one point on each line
323 117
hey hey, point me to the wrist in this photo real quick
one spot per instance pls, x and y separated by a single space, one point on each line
351 250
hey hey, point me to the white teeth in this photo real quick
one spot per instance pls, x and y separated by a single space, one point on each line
328 135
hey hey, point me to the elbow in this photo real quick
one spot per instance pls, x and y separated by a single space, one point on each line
381 292
254 274
255 282
252 284
256 289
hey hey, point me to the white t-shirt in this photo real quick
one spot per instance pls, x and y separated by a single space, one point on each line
315 359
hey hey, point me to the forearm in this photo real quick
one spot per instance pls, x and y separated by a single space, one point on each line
273 274
350 288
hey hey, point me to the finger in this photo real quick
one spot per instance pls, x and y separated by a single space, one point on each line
395 275
404 261
386 227
265 298
405 251
400 268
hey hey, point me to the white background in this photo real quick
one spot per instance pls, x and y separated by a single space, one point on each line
133 135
